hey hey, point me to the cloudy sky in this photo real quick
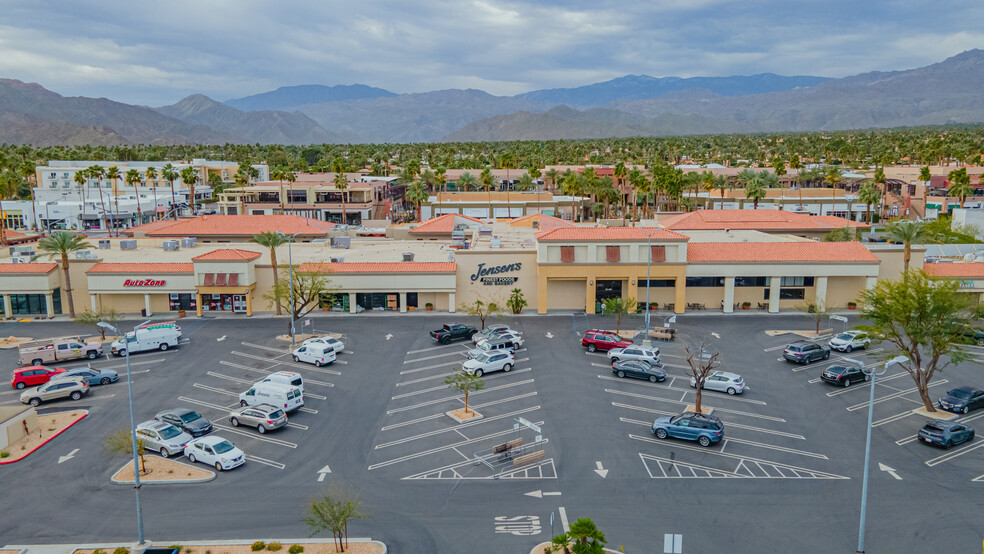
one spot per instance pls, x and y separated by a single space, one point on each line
155 53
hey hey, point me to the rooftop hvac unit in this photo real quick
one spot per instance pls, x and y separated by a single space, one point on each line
105 243
86 255
318 241
170 245
15 250
485 232
496 242
129 244
341 242
408 256
335 260
189 242
21 259
458 234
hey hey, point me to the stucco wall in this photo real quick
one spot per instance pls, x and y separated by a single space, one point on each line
566 294
469 290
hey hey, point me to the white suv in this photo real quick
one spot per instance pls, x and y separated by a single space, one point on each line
488 362
851 340
643 353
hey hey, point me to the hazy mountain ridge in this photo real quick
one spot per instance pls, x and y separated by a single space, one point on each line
287 98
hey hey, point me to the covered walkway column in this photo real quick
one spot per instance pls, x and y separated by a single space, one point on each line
49 305
94 301
451 306
541 293
680 298
774 294
821 292
870 283
351 302
147 310
589 296
198 304
249 303
729 295
7 309
403 302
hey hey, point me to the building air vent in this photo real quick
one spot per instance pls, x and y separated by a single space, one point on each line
536 224
408 256
129 244
171 245
341 242
485 232
21 259
335 260
86 255
189 242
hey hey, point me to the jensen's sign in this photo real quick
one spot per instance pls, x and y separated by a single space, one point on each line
490 275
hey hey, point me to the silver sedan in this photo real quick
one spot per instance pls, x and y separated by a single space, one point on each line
265 417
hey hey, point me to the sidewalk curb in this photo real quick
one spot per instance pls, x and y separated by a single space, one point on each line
164 481
70 425
69 548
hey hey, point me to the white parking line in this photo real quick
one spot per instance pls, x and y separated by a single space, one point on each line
890 419
960 451
121 366
735 425
457 353
228 378
462 426
435 366
642 383
437 347
633 395
204 404
240 366
442 414
893 396
444 387
307 410
281 351
265 461
256 436
911 438
455 397
563 518
774 447
215 390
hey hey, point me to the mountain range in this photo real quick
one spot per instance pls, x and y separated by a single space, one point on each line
633 105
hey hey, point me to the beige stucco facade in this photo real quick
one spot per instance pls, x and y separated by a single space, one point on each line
508 269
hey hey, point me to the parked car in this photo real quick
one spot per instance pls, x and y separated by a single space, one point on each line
73 388
453 331
163 437
595 339
972 335
33 376
215 451
288 397
490 331
940 432
639 369
703 428
317 354
488 362
326 340
187 420
43 351
851 340
265 417
722 381
495 345
159 336
962 399
92 375
843 375
805 352
646 354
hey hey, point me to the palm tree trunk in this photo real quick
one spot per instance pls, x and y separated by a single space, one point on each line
68 285
907 255
345 215
116 201
103 204
276 275
174 201
191 197
139 213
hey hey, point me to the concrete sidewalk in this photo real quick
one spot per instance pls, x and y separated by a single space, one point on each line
136 549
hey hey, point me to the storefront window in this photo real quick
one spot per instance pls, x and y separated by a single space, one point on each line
378 300
182 302
33 304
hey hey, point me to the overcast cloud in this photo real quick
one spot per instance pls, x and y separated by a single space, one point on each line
155 53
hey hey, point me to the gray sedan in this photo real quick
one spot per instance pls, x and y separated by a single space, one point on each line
265 417
92 375
162 437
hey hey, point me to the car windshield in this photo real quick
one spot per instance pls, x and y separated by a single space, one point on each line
189 417
616 338
958 393
483 357
845 336
223 447
276 414
170 432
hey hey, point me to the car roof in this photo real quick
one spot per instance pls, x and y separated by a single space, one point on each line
800 343
212 440
965 389
153 424
33 367
839 368
726 374
267 407
703 416
285 373
175 411
943 424
71 379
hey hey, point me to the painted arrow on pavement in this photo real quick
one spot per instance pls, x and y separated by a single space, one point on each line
220 339
715 335
389 336
322 472
549 335
541 494
601 470
68 457
889 470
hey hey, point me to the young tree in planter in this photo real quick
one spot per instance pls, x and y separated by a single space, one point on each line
121 442
332 513
482 309
701 363
586 537
92 317
620 307
516 301
817 311
923 319
311 289
464 383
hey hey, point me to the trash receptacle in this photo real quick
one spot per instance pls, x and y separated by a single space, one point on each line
143 312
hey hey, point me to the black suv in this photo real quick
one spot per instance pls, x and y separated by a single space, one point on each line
843 375
805 352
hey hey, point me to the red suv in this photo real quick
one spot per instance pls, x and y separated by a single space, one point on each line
603 340
33 376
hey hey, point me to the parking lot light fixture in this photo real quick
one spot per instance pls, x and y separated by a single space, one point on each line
133 429
867 444
290 277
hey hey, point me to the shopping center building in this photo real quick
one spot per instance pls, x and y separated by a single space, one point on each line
453 261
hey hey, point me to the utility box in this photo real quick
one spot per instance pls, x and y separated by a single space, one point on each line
128 244
189 242
171 245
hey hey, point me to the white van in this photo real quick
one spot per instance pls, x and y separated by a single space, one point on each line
282 396
285 378
317 354
152 336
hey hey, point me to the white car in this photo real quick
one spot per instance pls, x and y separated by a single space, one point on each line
851 340
317 354
648 354
490 331
215 451
723 381
488 362
327 340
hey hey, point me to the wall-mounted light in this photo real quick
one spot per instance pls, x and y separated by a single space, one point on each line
633 281
590 282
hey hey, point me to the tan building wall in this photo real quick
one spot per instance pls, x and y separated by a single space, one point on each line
565 294
469 290
588 274
893 260
12 428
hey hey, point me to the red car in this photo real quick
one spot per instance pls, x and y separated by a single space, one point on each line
603 340
33 376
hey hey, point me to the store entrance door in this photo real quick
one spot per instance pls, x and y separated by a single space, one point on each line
239 303
605 289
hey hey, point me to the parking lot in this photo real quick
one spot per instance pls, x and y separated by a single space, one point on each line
375 421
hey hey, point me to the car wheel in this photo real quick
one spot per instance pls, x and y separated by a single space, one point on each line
732 391
479 373
76 395
965 409
653 379
948 444
704 441
242 403
91 355
260 429
234 422
36 361
614 360
592 348
121 353
35 402
866 377
21 385
164 452
621 374
507 368
163 346
218 466
296 359
191 458
104 381
848 349
661 433
826 354
446 340
317 363
847 382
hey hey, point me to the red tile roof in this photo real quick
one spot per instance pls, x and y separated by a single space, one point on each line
765 220
147 227
604 234
227 255
381 267
34 267
810 252
544 221
142 267
444 223
239 225
975 270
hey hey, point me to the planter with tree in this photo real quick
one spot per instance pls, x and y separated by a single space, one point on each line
619 307
482 309
332 513
516 302
852 305
464 383
702 363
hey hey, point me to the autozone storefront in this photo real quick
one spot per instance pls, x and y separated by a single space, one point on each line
145 288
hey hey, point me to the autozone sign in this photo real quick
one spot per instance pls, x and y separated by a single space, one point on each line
144 283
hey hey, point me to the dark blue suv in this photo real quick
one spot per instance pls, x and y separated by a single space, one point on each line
703 428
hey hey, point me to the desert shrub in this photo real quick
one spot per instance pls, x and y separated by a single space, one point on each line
122 550
295 549
274 546
4 454
257 546
99 551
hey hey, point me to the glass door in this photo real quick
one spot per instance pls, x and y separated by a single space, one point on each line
239 303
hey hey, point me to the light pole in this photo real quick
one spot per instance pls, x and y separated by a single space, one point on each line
133 430
867 445
290 277
649 263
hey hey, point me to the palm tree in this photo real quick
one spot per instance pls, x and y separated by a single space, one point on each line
169 174
907 232
869 195
960 185
151 175
271 240
441 180
244 174
525 183
189 176
132 178
82 179
572 186
640 186
507 161
606 192
924 174
745 178
113 173
279 174
417 194
552 175
834 177
291 177
880 183
341 185
755 190
534 173
721 183
486 178
97 172
466 181
61 243
621 173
